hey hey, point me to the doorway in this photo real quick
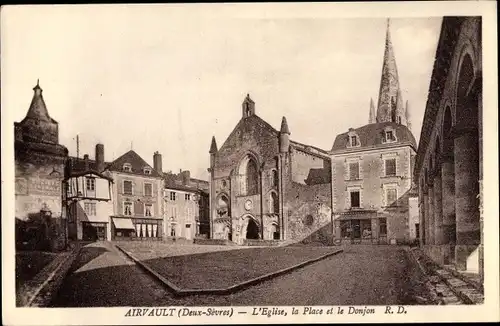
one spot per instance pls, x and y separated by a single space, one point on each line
188 232
252 229
93 231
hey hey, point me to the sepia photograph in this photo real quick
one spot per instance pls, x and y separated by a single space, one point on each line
229 162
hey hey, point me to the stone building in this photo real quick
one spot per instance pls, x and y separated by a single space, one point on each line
89 200
449 165
39 172
137 198
185 206
372 168
266 187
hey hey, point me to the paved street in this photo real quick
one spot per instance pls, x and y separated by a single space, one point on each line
361 275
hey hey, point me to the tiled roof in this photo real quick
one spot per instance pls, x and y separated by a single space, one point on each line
78 164
137 163
175 181
372 135
318 176
76 167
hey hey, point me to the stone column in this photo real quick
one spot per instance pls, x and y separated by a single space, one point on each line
432 225
426 215
421 222
448 200
438 209
466 201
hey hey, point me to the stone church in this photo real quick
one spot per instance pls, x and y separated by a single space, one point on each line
372 169
266 187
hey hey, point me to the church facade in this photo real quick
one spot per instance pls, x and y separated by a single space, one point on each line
266 187
372 165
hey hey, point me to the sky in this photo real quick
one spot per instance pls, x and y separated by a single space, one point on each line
168 78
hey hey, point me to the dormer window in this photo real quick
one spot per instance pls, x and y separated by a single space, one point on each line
127 167
147 170
389 135
353 139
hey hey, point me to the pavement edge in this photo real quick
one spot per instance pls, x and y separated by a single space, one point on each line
40 291
238 287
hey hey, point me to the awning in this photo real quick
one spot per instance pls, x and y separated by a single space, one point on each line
95 219
123 223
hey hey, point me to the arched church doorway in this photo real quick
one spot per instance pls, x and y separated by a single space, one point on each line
252 229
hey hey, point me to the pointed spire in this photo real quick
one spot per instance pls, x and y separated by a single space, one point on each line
372 118
407 114
213 146
284 127
390 92
38 109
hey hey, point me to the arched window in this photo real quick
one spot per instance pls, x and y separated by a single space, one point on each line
274 207
252 176
248 172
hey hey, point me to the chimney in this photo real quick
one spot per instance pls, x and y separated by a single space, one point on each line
186 177
99 157
86 161
157 162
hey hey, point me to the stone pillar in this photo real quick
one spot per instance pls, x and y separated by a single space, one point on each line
432 225
426 215
466 201
438 209
338 234
448 200
421 222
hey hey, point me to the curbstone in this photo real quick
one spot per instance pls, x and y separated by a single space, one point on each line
40 291
238 287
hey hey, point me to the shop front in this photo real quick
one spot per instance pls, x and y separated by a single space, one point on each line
360 228
126 228
93 231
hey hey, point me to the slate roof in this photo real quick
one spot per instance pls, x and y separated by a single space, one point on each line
371 136
137 163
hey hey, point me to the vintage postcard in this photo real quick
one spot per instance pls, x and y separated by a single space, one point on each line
249 163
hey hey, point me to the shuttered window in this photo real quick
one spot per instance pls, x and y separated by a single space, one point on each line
354 171
392 196
127 187
390 167
148 189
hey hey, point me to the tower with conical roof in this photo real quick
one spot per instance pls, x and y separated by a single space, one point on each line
390 101
37 126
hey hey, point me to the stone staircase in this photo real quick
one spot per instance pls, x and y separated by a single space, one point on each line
446 285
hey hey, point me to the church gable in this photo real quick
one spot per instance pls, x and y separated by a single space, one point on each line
251 134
